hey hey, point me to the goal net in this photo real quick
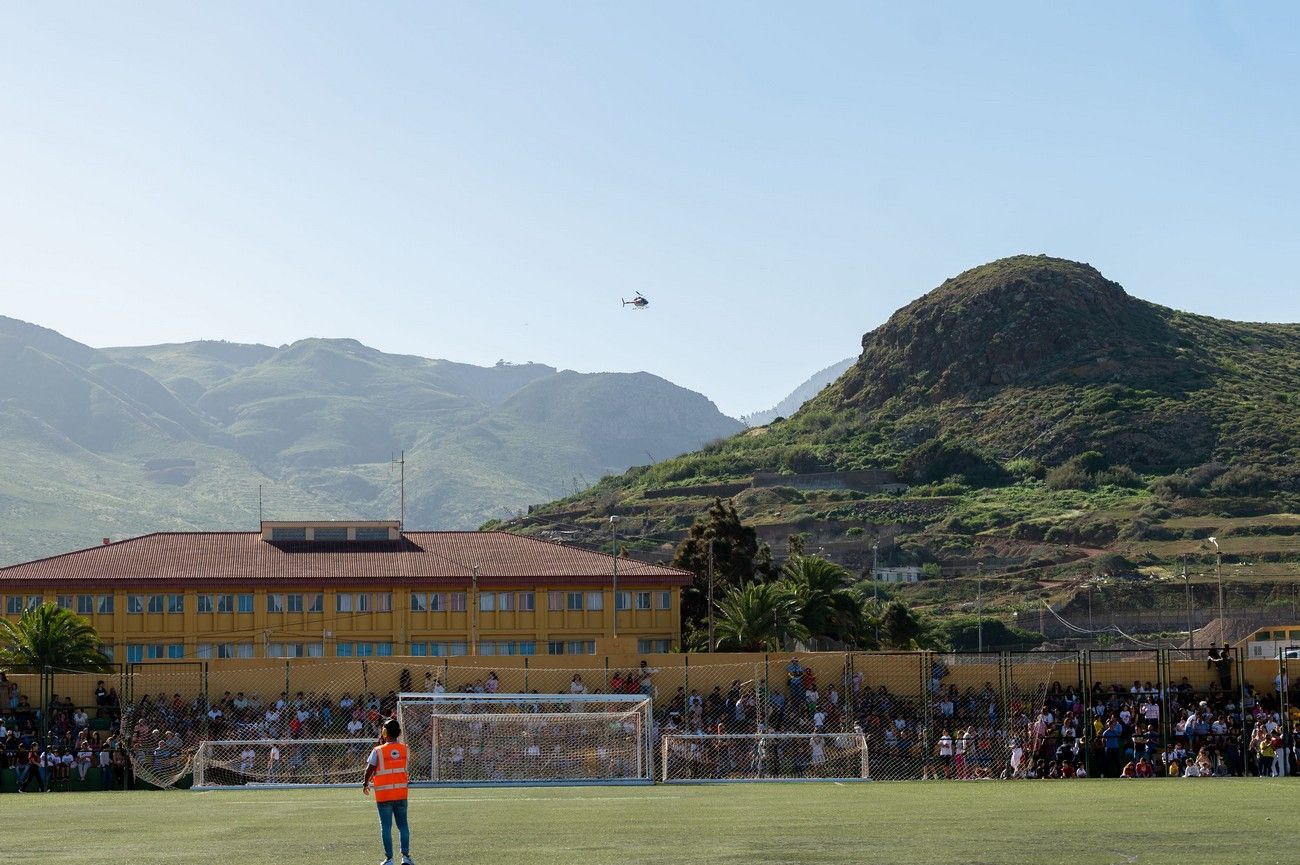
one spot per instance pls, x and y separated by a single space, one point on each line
764 757
481 739
280 763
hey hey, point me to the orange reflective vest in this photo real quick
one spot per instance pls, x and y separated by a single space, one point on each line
390 777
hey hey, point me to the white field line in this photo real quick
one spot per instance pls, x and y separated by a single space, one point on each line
300 802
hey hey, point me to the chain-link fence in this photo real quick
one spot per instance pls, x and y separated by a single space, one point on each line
923 714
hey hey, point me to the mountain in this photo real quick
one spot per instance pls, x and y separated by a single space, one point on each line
800 395
1041 415
106 442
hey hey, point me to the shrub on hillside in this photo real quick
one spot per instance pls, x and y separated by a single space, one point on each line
938 459
1242 481
1120 476
1069 477
1025 468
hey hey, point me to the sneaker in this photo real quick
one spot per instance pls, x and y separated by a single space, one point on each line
386 862
407 860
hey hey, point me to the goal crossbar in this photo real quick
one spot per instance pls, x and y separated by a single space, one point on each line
279 764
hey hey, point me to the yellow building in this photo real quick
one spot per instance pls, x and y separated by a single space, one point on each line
353 589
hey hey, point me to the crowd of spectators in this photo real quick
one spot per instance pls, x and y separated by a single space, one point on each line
48 746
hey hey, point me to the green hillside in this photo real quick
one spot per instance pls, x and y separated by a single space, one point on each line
121 441
1040 415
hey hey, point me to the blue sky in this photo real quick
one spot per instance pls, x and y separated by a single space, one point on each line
485 180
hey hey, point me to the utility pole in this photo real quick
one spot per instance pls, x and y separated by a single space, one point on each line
979 607
711 594
1187 589
613 551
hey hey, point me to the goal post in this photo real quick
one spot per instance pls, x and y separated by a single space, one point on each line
279 763
472 739
736 757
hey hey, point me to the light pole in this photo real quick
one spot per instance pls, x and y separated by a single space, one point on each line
711 594
613 551
1187 591
875 588
474 613
1218 575
979 607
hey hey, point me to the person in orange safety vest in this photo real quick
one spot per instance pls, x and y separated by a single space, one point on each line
386 773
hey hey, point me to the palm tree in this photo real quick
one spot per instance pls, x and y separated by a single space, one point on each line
50 636
827 608
758 617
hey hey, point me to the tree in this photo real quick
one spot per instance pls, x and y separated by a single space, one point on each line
738 557
50 636
903 628
826 607
758 617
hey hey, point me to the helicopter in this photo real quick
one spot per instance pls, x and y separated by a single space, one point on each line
637 302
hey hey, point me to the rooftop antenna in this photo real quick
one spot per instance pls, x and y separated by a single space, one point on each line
259 506
401 462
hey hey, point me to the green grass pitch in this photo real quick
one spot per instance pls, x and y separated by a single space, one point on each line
1092 822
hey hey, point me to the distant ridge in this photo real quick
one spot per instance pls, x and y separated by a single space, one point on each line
800 395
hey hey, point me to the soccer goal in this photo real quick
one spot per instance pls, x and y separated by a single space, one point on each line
280 763
711 758
526 739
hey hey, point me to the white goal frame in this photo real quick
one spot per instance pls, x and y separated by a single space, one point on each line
486 706
199 765
757 748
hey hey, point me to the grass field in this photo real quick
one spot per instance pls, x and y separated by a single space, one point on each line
1096 822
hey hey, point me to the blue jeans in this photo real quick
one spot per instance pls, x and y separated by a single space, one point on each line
387 812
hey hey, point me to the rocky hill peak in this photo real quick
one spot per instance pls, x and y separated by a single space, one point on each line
1019 319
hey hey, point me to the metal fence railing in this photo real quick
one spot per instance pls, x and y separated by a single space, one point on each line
924 715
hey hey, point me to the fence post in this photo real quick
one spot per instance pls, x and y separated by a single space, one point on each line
525 674
686 674
1085 675
287 688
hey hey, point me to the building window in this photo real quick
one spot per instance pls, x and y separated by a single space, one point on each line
274 603
595 600
34 601
203 651
343 650
419 602
203 603
342 603
505 601
438 602
134 604
107 649
14 605
316 603
134 653
665 601
293 603
176 604
647 647
64 602
288 534
330 533
555 647
623 601
580 647
457 649
372 534
527 601
85 604
574 601
106 605
225 603
418 650
527 647
244 650
487 648
156 603
154 651
381 602
245 603
458 602
643 600
175 651
555 601
487 602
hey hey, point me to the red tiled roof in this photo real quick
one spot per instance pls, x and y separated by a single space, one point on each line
207 558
